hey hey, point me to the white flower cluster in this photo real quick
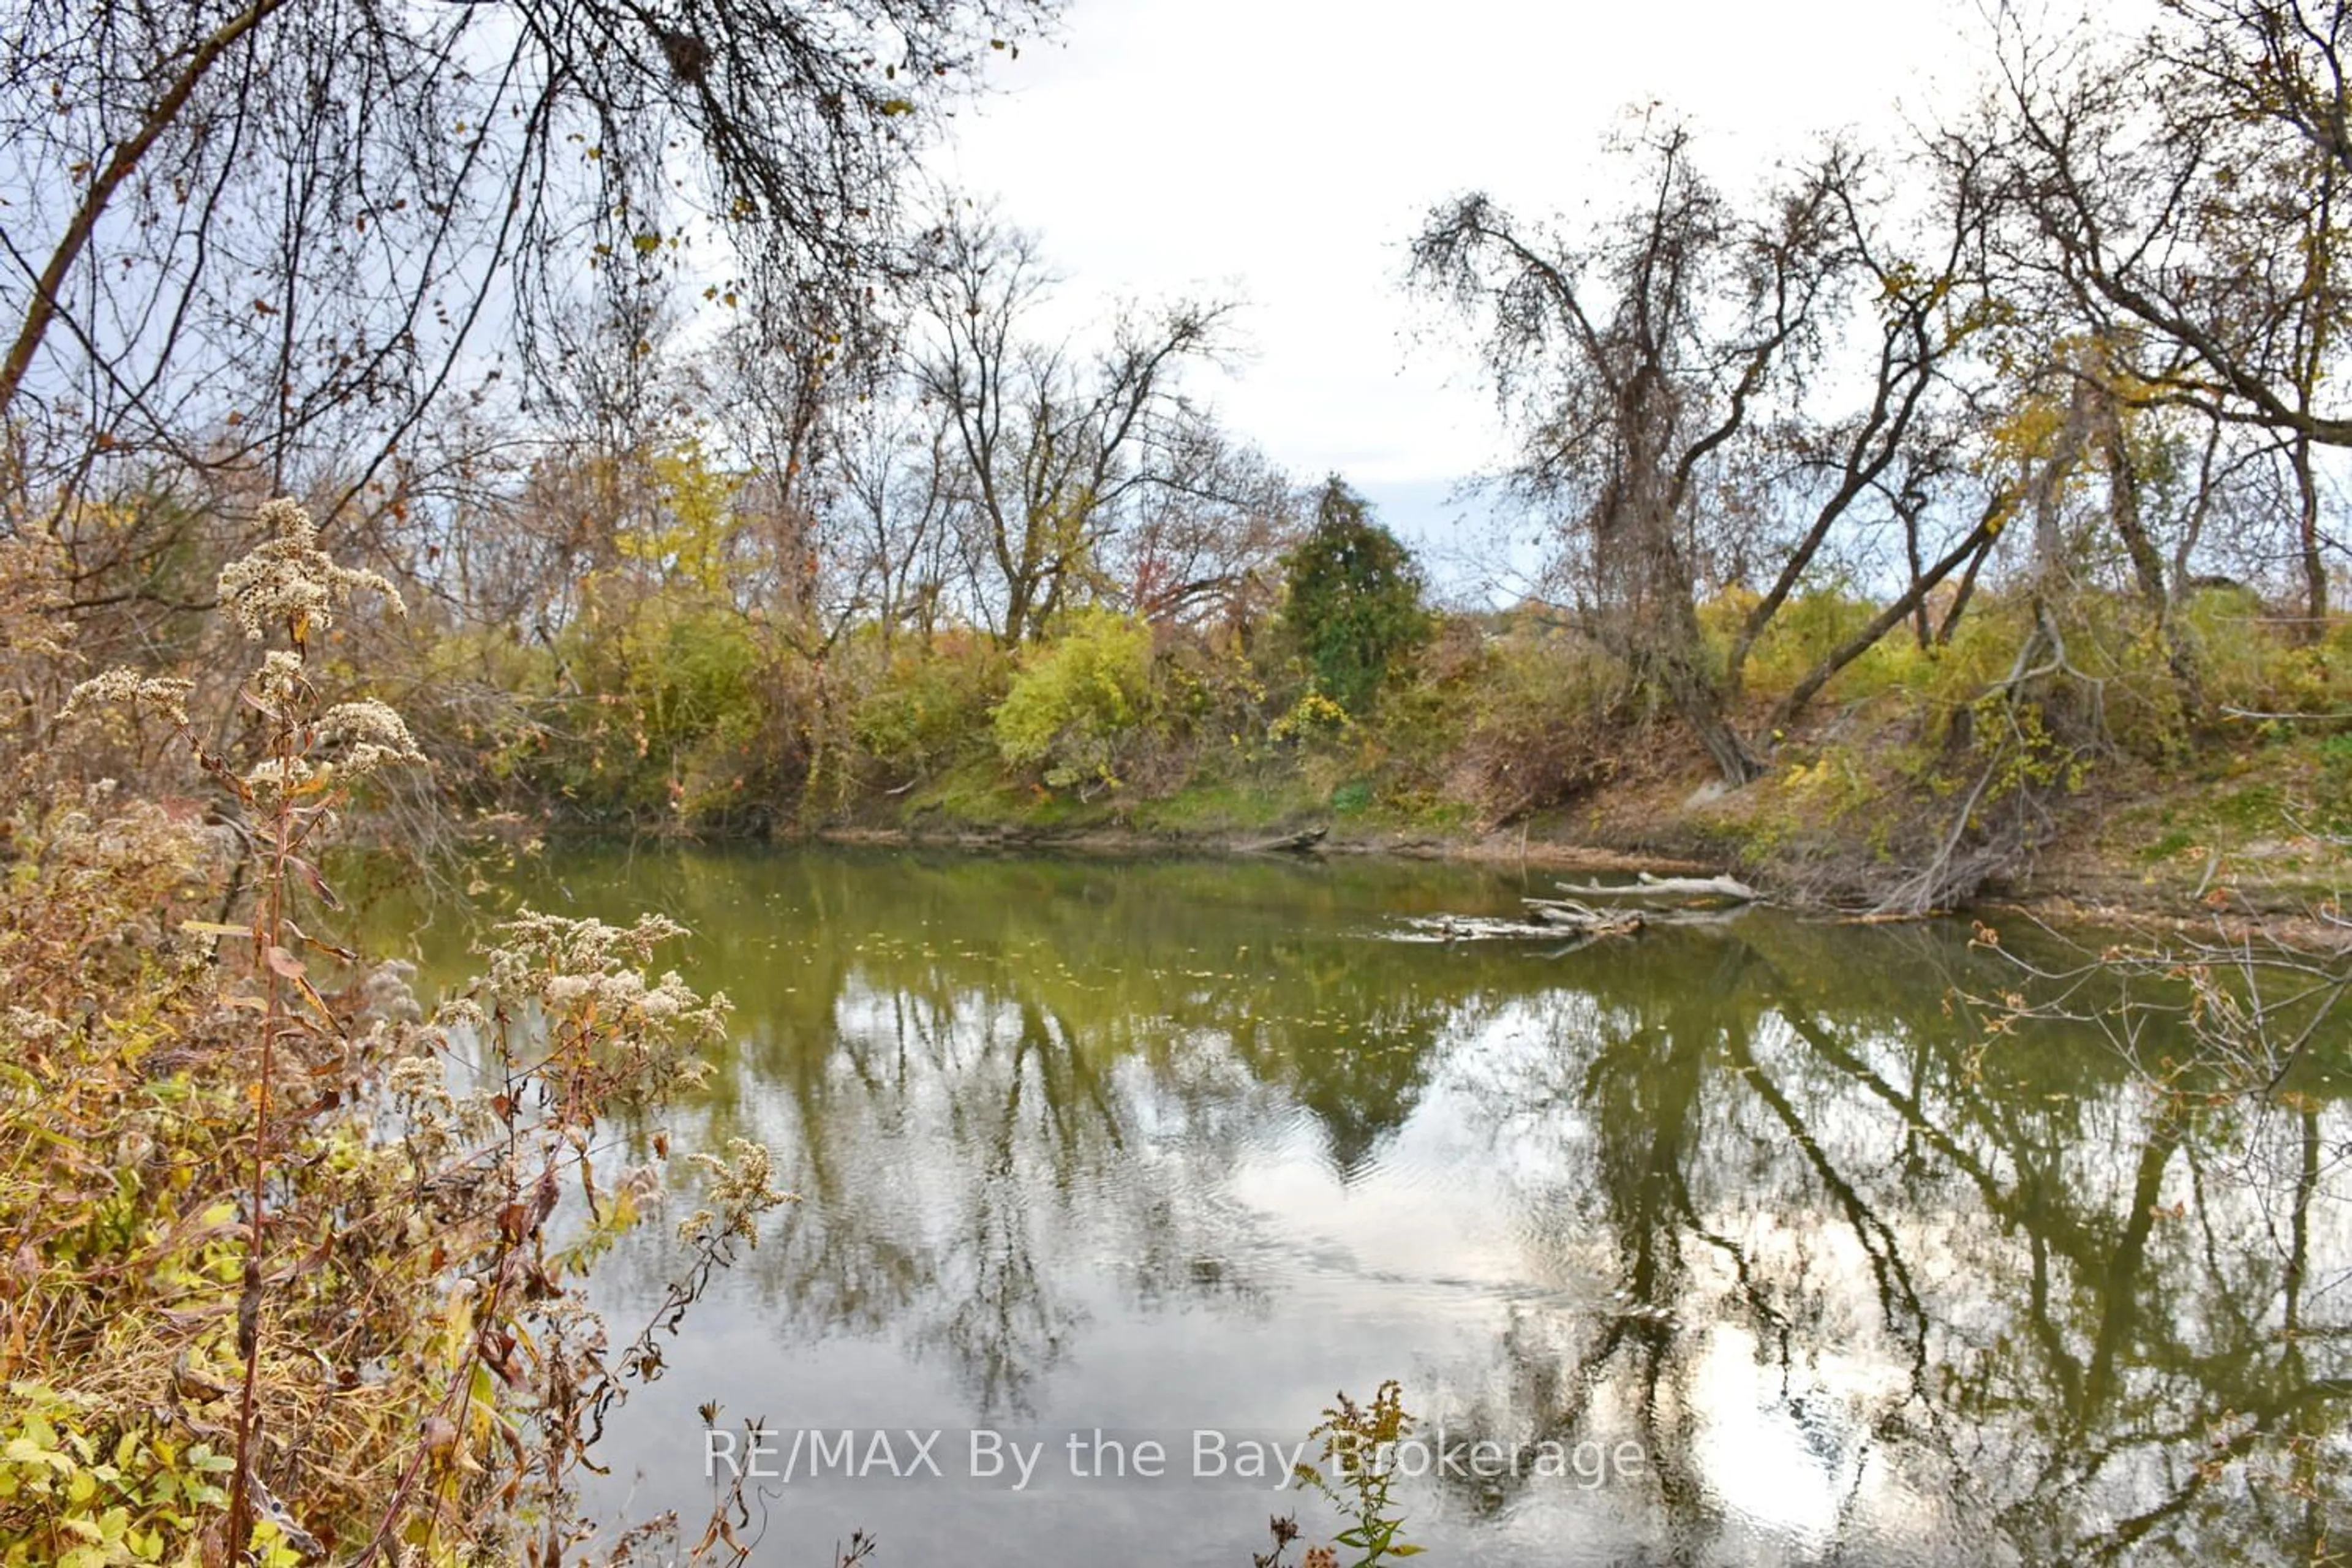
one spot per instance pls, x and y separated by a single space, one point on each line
741 1188
546 974
110 837
289 581
376 735
621 992
533 946
129 688
21 1027
417 1077
437 1122
271 775
279 678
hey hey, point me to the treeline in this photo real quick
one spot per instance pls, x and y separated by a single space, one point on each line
2028 415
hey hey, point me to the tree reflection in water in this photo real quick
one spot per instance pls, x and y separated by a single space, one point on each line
1136 1144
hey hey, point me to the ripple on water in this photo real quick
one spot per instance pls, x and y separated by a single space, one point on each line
1131 1139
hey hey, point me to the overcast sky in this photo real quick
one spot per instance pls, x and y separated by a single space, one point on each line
1282 151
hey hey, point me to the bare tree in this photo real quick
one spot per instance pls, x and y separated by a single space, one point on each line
1057 447
893 513
1640 357
1895 459
2188 187
1205 542
788 392
272 234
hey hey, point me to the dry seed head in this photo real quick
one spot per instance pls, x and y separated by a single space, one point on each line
375 734
22 1027
279 678
289 581
274 774
129 688
742 1186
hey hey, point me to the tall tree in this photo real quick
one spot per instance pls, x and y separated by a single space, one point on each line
1639 356
2189 187
1352 599
1057 446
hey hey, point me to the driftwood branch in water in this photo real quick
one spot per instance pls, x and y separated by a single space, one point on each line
1571 916
1651 887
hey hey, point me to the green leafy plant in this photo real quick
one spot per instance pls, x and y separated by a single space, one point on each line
2334 782
1358 1445
1078 699
1313 717
926 702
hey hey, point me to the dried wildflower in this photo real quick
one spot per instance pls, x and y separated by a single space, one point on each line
289 581
280 679
32 624
388 994
559 945
278 773
134 1141
417 1077
566 989
420 1142
129 688
643 1185
741 1188
22 1027
667 999
563 962
376 735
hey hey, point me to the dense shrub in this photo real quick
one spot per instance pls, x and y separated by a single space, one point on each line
2248 662
923 703
1500 718
1079 701
663 698
1810 626
1544 724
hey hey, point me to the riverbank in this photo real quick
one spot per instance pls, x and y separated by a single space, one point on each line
2231 833
1929 774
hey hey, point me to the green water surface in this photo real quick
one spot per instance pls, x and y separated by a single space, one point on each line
1784 1254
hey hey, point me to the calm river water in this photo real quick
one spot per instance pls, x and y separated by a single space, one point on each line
1735 1245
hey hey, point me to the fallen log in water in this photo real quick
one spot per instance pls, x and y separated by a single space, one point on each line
1582 918
1585 924
1291 843
1569 915
1649 887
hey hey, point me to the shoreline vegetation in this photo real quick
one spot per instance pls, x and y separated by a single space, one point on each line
1926 773
1505 738
299 1262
